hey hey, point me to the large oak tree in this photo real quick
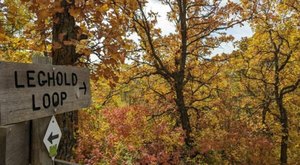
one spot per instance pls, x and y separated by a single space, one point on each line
181 57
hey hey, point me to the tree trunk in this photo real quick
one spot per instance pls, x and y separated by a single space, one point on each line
179 76
184 117
64 30
282 111
285 134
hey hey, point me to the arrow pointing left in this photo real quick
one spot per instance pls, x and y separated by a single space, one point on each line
52 137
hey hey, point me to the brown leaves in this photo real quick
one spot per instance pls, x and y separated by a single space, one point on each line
70 42
61 36
75 12
58 10
56 45
43 14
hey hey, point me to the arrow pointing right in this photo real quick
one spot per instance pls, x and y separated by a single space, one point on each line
84 87
52 137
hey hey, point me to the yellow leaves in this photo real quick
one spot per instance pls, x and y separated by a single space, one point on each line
3 37
15 56
14 16
131 15
13 49
82 48
74 11
103 8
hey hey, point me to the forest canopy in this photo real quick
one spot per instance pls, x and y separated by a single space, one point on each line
169 98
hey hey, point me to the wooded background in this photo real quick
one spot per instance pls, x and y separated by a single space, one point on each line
165 98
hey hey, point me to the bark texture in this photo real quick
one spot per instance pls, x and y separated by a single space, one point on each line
64 29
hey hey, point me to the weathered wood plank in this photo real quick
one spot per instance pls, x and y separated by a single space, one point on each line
39 153
14 144
40 59
31 91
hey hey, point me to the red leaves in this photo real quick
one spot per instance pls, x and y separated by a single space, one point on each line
127 133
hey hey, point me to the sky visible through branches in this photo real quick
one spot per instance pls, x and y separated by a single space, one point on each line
167 27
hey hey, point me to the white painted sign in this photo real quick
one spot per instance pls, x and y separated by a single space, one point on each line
52 137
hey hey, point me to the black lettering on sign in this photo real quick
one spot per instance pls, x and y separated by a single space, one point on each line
34 107
59 78
16 81
63 96
74 79
52 78
46 100
40 81
49 100
30 78
66 82
55 99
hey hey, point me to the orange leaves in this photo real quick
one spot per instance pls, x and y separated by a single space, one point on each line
3 37
224 108
122 57
58 10
43 9
75 12
115 134
102 8
107 72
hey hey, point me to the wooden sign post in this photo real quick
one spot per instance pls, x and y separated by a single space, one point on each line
14 144
32 91
35 91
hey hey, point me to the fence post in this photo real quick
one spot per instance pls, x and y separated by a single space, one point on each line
14 144
39 153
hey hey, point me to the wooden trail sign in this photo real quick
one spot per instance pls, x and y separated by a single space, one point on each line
32 91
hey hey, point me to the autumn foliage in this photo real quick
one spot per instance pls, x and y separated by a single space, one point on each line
128 135
167 98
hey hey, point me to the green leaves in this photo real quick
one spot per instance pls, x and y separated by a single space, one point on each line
53 151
